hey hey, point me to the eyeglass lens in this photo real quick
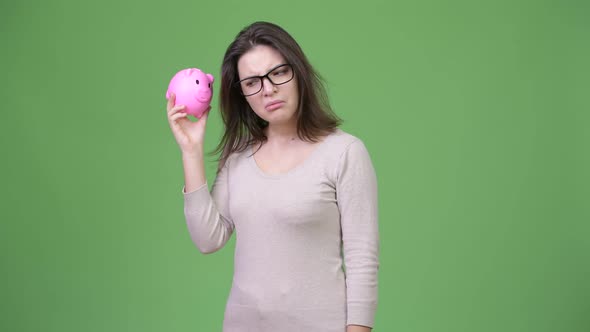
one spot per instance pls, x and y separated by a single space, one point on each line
280 75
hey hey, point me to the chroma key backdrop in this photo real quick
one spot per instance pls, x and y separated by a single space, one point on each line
475 113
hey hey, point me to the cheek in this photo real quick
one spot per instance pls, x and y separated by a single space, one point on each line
295 89
251 101
255 104
294 92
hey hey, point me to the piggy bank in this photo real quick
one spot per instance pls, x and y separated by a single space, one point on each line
193 89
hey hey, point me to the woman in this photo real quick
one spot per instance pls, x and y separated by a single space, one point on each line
299 192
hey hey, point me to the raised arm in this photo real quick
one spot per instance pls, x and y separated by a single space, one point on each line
206 213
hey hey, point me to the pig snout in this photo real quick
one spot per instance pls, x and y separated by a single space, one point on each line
203 95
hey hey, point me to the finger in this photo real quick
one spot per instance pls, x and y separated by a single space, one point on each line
175 109
174 124
204 117
178 115
171 101
206 114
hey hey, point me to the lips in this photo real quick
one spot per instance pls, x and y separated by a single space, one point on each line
273 105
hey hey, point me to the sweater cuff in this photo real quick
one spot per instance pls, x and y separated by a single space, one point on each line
184 188
196 199
360 315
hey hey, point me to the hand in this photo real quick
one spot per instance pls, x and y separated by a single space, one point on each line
189 135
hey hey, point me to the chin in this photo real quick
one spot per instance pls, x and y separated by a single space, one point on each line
279 116
280 119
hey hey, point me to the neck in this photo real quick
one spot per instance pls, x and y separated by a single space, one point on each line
281 133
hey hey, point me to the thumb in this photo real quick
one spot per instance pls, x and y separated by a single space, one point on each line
205 116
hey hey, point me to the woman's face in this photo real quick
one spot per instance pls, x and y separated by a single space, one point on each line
276 104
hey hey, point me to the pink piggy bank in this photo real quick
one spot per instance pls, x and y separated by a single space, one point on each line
193 89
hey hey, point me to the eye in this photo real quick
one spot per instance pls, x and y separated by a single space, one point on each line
209 84
248 82
279 72
197 81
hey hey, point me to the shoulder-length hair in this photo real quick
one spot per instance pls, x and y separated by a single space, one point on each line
243 127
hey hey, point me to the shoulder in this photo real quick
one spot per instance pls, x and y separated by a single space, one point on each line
238 158
342 143
341 151
354 167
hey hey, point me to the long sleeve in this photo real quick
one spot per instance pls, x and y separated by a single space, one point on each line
356 191
207 213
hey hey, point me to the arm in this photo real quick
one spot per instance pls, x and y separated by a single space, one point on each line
356 191
206 213
194 170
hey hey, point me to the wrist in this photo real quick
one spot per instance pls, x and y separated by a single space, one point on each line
196 152
358 328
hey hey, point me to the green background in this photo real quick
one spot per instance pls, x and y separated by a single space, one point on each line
475 115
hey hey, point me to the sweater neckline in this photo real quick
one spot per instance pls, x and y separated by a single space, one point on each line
297 168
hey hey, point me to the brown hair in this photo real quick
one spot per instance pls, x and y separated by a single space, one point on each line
242 126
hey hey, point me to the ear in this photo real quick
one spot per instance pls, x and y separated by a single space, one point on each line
210 77
167 94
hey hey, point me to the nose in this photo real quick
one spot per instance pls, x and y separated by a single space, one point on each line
267 86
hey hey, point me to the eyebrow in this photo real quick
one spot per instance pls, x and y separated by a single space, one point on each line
257 76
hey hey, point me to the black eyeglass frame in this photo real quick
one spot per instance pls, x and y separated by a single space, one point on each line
239 83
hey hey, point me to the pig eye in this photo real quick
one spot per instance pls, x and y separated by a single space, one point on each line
209 84
197 81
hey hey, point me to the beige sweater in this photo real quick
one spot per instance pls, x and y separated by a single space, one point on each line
294 231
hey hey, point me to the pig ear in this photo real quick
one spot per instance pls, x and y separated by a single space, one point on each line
210 77
168 94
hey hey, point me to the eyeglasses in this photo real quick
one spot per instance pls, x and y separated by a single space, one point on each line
280 74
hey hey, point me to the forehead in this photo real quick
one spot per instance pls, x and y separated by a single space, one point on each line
258 61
